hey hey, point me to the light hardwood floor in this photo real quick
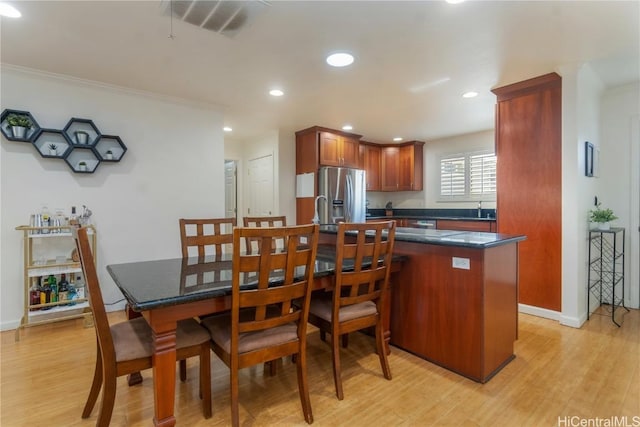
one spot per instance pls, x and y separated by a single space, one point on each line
558 372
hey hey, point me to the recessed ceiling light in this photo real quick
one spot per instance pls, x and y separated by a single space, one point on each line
276 92
340 59
470 94
9 11
347 127
227 129
454 1
397 139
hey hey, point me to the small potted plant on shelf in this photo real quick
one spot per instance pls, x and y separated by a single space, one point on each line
602 217
19 124
82 166
82 137
108 155
53 150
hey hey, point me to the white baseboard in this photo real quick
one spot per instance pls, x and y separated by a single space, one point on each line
574 322
540 312
11 324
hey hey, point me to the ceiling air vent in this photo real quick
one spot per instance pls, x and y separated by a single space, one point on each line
227 17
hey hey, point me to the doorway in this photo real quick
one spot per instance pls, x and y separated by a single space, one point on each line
231 189
260 186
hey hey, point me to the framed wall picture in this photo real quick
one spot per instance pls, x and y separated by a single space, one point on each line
588 159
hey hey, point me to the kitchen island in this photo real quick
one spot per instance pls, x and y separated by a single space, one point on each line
454 302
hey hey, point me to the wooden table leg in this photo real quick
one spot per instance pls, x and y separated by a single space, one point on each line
164 375
135 377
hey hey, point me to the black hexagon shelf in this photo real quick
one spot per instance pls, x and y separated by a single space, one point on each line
82 132
11 133
52 143
82 159
110 148
80 143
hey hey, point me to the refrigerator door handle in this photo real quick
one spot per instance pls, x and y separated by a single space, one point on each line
348 202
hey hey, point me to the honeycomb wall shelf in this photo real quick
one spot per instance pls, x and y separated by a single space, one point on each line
80 143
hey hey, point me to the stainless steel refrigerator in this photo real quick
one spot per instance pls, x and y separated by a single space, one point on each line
344 191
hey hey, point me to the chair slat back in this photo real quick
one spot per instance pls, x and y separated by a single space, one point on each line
263 221
96 302
266 282
206 236
363 267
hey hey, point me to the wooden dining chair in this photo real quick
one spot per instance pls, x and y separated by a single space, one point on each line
263 324
207 236
363 265
127 347
263 221
204 237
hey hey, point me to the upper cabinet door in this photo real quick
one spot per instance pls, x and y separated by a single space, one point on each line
390 168
371 164
330 150
350 148
402 167
410 176
338 150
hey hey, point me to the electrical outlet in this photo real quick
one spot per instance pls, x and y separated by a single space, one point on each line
462 263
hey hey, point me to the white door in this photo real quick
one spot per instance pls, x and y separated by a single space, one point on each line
260 178
230 189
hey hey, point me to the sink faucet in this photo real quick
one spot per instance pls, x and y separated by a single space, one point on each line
316 217
480 209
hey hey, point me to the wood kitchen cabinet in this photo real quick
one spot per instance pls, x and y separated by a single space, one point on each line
402 167
529 183
466 225
370 158
318 146
338 149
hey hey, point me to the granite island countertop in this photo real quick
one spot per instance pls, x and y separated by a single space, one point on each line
469 239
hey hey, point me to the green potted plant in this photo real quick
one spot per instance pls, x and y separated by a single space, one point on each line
53 150
19 124
602 217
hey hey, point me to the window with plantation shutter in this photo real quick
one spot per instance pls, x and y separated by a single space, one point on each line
482 174
468 176
452 176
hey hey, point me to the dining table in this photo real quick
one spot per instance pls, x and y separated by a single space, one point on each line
169 290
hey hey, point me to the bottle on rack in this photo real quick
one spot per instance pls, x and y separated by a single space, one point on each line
53 284
58 220
71 289
63 288
79 286
46 217
45 293
34 294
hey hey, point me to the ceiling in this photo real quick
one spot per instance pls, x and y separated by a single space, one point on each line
413 60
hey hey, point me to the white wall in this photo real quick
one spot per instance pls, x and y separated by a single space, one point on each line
173 168
287 173
581 91
619 180
433 151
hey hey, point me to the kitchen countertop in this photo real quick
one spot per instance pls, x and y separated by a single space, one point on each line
469 239
428 217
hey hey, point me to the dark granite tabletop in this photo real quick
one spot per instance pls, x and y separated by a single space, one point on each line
469 239
159 283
